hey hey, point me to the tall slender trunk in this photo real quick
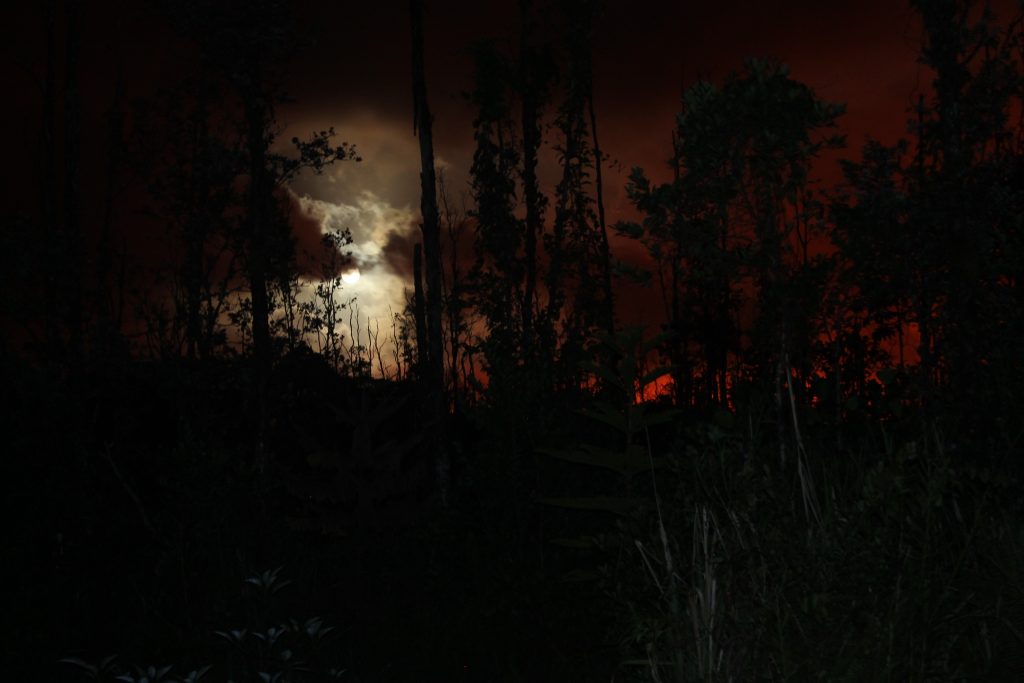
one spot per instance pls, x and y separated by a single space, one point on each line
454 303
257 234
73 252
606 252
922 297
48 182
608 304
531 193
419 311
259 192
557 256
423 126
196 228
104 301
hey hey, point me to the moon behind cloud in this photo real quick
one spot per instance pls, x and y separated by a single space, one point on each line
350 277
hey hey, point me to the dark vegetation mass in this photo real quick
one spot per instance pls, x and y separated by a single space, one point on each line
811 471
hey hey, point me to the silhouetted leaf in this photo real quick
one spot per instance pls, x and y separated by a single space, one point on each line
618 506
633 460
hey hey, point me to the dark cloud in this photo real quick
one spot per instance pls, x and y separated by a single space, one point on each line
312 254
398 249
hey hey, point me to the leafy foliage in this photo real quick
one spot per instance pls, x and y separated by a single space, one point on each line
290 651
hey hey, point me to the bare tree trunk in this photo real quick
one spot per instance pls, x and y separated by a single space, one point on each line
454 293
531 142
781 372
423 126
256 119
104 301
71 244
606 252
196 227
419 311
48 172
257 228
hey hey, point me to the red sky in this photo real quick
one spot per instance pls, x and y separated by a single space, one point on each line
860 53
355 77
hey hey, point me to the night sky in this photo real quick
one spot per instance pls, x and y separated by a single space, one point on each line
354 75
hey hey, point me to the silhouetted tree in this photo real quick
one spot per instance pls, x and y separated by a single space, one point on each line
929 232
190 166
420 311
696 254
455 298
587 12
243 49
577 247
499 270
71 242
740 215
423 124
48 181
60 194
107 327
536 70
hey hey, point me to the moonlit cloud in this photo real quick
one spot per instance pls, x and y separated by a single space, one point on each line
372 222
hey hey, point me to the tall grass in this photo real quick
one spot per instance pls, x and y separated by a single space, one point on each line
895 561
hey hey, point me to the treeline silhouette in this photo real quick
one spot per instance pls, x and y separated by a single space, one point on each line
810 471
